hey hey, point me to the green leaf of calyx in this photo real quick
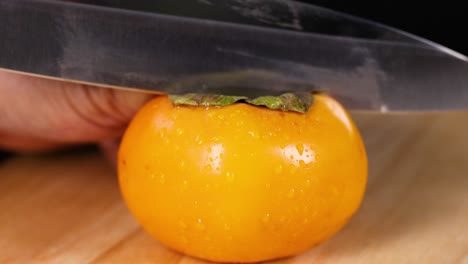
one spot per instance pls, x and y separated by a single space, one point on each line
205 99
295 102
285 102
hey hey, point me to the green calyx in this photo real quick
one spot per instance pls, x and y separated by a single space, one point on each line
295 102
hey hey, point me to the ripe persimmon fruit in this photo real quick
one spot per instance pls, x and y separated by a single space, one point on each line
242 183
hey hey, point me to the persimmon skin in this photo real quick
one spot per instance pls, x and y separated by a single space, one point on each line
242 183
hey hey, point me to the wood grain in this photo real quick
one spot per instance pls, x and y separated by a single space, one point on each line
66 207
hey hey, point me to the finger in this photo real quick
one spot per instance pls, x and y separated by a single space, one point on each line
110 148
39 114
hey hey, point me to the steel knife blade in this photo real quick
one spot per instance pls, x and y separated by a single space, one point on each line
237 47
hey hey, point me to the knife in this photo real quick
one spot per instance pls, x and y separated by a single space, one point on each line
233 47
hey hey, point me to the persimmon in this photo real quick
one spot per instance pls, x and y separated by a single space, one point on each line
242 183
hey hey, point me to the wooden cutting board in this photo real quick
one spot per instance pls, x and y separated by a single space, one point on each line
66 207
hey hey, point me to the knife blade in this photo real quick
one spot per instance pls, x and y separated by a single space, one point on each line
235 47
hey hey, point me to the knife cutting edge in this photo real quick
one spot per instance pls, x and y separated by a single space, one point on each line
234 47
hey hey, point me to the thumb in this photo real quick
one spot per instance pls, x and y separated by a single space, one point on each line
40 114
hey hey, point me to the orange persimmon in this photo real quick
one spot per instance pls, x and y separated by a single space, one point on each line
242 183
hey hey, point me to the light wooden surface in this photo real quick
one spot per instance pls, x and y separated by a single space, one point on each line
66 207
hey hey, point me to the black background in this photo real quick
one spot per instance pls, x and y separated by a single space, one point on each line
445 22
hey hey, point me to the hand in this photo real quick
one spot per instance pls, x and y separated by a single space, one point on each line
39 114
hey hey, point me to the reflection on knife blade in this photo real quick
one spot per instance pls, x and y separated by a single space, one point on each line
165 48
